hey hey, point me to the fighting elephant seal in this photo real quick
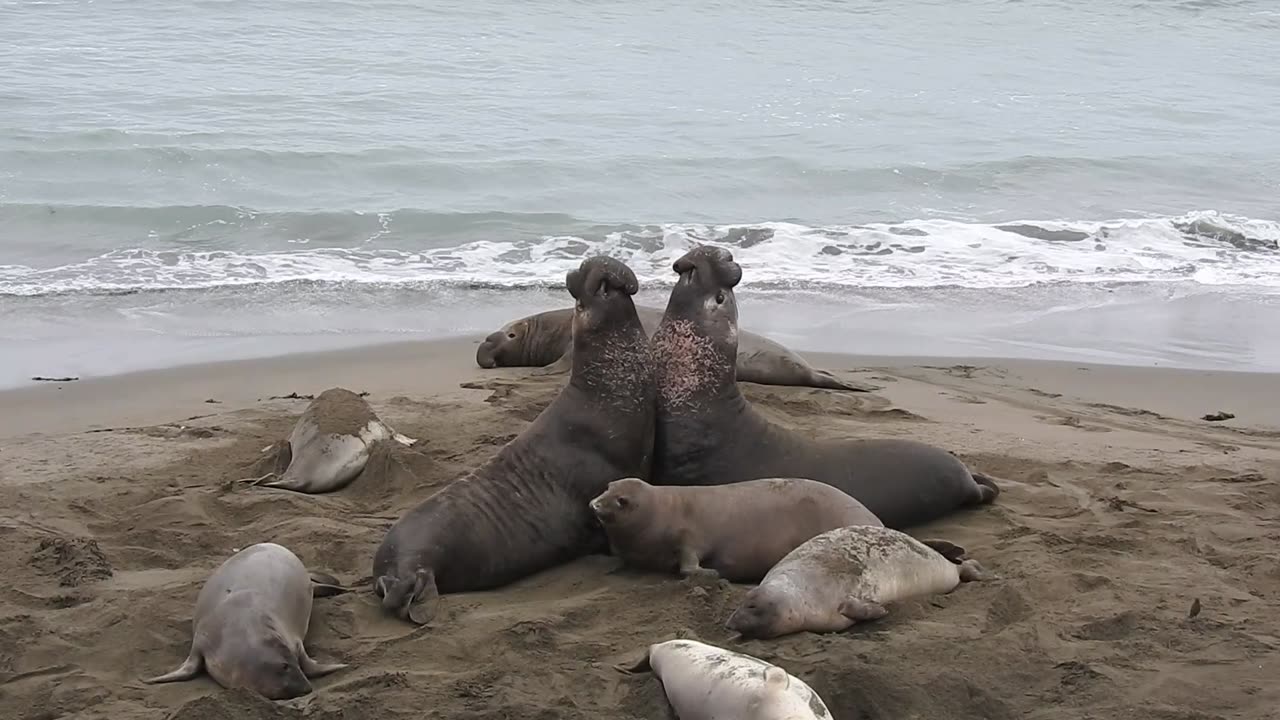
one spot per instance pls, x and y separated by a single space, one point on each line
250 622
845 576
705 682
526 510
543 340
709 434
330 444
737 531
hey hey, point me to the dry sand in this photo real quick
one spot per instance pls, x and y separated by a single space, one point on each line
1119 509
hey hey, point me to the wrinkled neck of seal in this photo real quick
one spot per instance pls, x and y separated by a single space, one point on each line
612 358
696 356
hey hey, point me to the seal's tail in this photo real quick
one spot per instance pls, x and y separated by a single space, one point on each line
988 490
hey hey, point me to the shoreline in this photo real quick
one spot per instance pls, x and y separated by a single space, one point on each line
439 366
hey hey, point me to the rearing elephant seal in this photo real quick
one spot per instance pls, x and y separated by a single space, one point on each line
543 340
708 434
525 510
250 622
736 531
845 576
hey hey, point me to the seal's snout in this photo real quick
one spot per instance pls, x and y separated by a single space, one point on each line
710 265
599 275
486 353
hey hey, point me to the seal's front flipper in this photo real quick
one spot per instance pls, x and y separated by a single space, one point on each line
269 477
946 549
189 669
403 439
563 365
691 568
326 585
425 602
313 669
859 610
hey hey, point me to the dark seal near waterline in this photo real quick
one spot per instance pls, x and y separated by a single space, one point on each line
526 509
544 340
709 434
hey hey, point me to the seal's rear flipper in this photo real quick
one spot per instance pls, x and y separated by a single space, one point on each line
824 379
189 669
637 665
859 610
403 439
326 585
988 490
971 571
946 549
425 601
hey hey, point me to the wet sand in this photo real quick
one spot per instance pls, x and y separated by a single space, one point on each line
1120 508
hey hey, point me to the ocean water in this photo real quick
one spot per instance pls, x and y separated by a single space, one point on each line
1093 180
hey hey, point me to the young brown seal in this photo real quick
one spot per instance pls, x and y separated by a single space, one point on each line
737 531
708 434
330 444
705 682
250 622
543 340
845 576
526 510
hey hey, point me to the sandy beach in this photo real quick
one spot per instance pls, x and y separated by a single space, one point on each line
1121 507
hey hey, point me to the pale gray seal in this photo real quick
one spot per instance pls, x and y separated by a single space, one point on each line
709 434
737 531
525 510
845 576
542 340
705 682
330 444
250 623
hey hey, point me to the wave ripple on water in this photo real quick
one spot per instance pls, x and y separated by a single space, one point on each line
1202 247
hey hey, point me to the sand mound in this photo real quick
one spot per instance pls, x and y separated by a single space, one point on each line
1101 551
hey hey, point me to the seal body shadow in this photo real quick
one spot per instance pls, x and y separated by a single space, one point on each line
526 509
251 621
709 434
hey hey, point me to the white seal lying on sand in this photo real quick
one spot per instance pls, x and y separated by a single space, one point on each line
847 575
704 682
250 622
330 444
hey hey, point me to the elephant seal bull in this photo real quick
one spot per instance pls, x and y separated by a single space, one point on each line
543 340
526 510
250 622
709 434
705 682
736 531
845 576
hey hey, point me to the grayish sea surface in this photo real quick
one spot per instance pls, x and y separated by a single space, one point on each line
1093 180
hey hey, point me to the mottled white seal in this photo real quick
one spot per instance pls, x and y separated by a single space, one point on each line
848 575
705 682
250 622
330 444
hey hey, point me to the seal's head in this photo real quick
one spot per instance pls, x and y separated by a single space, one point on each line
603 288
273 672
504 347
621 505
765 612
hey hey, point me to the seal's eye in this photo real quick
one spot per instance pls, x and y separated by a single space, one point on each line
720 298
511 336
623 502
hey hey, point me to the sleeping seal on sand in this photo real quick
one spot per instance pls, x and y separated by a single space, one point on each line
543 340
737 531
525 510
845 576
250 623
704 682
330 444
709 434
